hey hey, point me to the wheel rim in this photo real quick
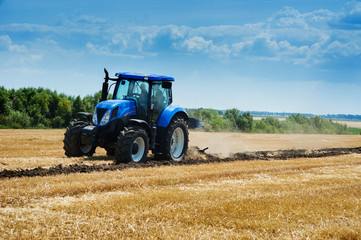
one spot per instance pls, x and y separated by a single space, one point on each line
138 149
177 143
85 148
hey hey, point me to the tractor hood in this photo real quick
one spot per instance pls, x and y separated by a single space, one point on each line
106 111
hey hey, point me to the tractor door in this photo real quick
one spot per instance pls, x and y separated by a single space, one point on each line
138 90
160 98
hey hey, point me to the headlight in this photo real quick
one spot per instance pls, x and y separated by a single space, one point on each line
105 118
95 117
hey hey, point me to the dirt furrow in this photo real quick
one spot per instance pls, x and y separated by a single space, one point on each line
197 157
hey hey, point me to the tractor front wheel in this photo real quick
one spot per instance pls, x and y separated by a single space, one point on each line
132 146
175 142
72 141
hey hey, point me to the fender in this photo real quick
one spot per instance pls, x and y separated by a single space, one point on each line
168 113
139 122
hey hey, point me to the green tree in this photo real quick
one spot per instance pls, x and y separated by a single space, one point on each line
231 115
57 122
244 122
53 104
64 110
18 119
4 102
268 125
41 100
78 106
19 100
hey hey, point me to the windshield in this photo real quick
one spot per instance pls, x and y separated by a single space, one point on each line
122 90
130 89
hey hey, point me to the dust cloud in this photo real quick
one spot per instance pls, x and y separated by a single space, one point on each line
225 144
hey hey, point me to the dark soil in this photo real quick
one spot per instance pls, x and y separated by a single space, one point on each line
197 157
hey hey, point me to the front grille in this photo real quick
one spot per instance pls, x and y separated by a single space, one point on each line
100 113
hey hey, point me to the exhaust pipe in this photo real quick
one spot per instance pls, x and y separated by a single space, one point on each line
105 86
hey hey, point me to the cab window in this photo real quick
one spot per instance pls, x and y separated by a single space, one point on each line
122 90
160 98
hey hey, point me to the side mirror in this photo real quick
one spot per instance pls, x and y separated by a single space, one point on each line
167 85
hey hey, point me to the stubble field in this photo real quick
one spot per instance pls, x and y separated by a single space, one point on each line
304 197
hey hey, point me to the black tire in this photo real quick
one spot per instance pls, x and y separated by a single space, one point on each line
110 151
72 144
174 144
132 146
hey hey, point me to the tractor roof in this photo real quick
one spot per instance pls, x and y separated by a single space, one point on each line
147 77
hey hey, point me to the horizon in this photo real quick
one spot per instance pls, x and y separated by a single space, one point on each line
302 57
223 110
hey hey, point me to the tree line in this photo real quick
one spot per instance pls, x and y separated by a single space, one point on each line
43 108
233 120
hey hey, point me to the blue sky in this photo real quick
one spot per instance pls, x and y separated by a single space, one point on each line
261 55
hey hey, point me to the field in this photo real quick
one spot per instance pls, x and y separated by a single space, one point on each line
311 193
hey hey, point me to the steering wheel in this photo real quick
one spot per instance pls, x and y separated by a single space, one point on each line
137 95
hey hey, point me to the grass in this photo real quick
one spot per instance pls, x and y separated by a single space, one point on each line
355 131
294 199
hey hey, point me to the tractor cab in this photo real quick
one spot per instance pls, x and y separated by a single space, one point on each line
150 93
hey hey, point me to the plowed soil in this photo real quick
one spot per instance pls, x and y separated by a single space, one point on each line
200 158
234 145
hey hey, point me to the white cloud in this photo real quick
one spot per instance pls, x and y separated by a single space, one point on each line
27 27
243 46
349 17
220 51
36 57
6 43
104 50
288 35
289 17
200 45
344 49
91 19
197 44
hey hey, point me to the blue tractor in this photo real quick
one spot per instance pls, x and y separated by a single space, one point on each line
139 117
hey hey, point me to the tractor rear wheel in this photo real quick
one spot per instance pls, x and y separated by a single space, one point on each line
175 142
132 146
110 151
72 141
